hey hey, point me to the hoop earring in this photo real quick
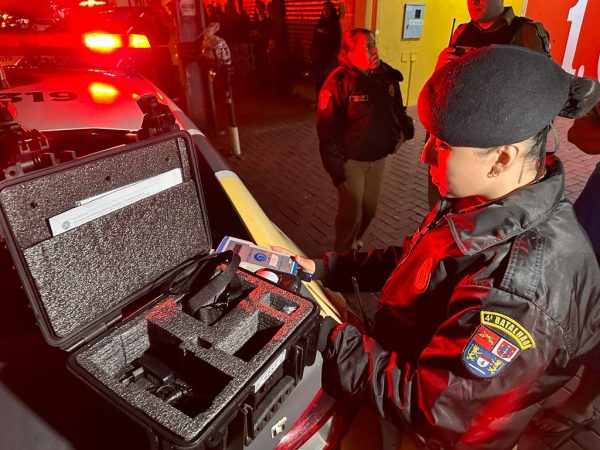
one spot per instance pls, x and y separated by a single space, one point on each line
492 174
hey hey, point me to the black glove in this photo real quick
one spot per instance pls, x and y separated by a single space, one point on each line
408 127
327 326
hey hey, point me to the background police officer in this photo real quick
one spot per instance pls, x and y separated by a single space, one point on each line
492 23
360 120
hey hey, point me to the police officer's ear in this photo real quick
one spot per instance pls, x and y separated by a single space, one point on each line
506 156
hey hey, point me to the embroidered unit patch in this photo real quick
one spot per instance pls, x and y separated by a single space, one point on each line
359 98
324 97
508 326
495 343
487 354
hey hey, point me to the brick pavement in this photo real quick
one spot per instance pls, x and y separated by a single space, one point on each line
279 141
283 170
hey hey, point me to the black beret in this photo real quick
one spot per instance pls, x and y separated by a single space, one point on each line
493 96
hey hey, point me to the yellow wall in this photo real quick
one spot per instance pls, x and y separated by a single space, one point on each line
423 52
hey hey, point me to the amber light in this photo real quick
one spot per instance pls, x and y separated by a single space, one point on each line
102 42
103 93
138 41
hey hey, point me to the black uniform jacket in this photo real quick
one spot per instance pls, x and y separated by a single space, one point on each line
326 41
482 316
508 29
358 116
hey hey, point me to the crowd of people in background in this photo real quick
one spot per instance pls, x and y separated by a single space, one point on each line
252 33
258 54
249 34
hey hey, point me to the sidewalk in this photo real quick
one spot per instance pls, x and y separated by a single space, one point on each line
282 168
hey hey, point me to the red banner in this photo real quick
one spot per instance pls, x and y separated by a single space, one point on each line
574 27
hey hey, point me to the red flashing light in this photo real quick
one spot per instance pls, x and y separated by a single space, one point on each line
108 43
91 3
102 42
138 41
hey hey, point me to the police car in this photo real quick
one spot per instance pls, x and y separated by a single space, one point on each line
91 33
86 110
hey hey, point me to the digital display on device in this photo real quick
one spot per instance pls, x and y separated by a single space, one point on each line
254 257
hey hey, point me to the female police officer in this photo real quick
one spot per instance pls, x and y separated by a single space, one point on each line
493 303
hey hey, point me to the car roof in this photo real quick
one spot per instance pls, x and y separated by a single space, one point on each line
51 99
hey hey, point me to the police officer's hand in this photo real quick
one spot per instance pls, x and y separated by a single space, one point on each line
342 186
446 55
308 265
401 141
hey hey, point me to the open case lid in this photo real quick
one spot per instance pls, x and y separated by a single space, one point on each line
90 236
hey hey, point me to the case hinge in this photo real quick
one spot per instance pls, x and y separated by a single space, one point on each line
100 328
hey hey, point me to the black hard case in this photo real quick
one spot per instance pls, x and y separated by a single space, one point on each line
94 292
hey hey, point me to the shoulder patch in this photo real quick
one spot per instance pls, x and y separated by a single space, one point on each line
542 34
496 342
508 326
324 98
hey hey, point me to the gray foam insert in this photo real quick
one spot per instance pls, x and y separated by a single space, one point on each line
28 205
207 357
87 272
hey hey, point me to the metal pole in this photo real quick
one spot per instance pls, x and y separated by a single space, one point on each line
186 12
233 129
212 105
409 77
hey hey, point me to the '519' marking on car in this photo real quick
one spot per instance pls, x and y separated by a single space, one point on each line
38 96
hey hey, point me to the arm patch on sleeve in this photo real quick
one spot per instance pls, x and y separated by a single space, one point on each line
496 342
